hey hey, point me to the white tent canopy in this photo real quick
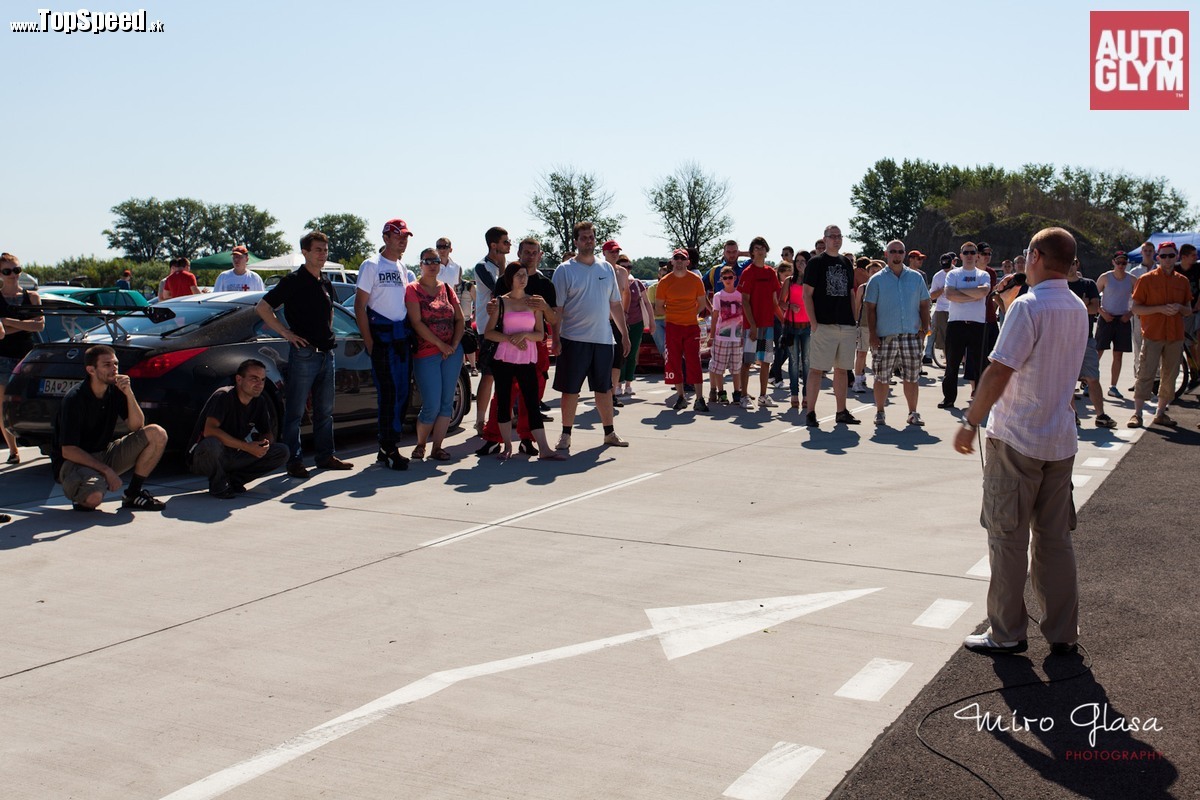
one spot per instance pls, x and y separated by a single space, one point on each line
290 261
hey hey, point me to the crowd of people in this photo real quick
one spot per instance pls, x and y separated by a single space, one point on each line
818 311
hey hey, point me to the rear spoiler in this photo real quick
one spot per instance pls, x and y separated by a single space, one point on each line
110 316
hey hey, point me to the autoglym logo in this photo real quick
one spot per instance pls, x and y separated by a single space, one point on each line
1139 61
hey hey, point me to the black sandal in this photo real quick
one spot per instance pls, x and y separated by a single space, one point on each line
488 449
528 447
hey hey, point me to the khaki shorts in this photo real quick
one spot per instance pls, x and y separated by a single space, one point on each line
862 342
832 346
79 481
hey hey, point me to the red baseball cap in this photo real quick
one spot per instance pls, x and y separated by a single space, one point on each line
611 244
915 254
396 226
240 250
681 251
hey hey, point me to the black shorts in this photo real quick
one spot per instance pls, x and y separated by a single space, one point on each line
618 359
579 360
1116 334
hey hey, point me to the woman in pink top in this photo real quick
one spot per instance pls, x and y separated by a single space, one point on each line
796 328
515 326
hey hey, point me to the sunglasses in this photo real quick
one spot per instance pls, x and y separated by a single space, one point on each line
969 252
679 258
10 271
727 277
443 247
1166 255
431 261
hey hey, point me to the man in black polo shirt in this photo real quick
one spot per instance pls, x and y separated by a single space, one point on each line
86 459
233 440
307 299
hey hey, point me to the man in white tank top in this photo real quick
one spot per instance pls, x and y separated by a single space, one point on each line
1115 328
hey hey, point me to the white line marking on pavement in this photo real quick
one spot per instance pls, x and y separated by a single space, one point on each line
942 613
725 621
874 680
1079 481
1095 463
982 568
774 775
478 529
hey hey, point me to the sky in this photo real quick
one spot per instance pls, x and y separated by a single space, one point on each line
446 113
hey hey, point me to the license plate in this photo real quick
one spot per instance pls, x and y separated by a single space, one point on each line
57 387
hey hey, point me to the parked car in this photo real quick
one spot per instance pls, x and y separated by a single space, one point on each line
108 296
176 362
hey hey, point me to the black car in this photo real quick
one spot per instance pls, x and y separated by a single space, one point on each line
176 363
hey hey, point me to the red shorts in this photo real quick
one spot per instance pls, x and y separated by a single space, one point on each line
683 354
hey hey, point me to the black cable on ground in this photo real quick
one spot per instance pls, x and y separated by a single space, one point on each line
1087 667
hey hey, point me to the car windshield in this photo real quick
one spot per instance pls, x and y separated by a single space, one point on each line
188 317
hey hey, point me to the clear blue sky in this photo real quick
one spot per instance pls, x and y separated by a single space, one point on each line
445 113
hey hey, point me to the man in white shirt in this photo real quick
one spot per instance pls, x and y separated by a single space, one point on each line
1031 446
967 289
449 273
241 278
383 322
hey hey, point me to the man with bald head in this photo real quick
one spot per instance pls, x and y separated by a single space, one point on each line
1031 446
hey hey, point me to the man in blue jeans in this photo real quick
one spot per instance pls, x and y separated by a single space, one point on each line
307 299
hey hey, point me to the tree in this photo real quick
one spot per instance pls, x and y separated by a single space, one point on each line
138 230
646 267
566 196
185 227
691 206
347 235
1152 206
889 198
251 226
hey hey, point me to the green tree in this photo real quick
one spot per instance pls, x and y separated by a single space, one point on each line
248 225
185 227
890 196
646 267
347 235
566 196
691 207
1153 205
138 230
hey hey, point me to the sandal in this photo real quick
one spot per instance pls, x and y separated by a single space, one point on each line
440 454
418 452
528 447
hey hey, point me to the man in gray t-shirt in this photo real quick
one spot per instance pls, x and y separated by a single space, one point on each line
588 297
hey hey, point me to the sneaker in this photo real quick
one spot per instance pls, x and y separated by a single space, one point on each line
747 403
295 469
700 405
810 419
223 492
617 401
880 418
1105 421
777 383
629 392
612 440
712 396
391 459
1165 421
723 397
927 361
915 419
1064 648
947 404
846 418
860 385
1115 392
984 643
142 501
335 463
680 403
1134 422
564 442
766 402
81 508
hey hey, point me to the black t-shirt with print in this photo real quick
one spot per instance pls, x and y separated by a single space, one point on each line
832 279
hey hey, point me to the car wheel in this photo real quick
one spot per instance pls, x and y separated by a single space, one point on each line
462 399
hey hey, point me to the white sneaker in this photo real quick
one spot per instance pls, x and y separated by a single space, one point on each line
746 402
860 385
915 419
766 402
564 442
880 419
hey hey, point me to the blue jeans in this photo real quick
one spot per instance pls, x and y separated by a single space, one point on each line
798 360
436 379
309 370
660 336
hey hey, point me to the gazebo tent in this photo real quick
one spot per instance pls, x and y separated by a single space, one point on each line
221 260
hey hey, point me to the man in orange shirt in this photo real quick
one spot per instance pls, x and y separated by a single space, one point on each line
1161 299
681 297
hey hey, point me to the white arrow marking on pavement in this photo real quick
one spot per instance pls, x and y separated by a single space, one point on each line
773 775
690 629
